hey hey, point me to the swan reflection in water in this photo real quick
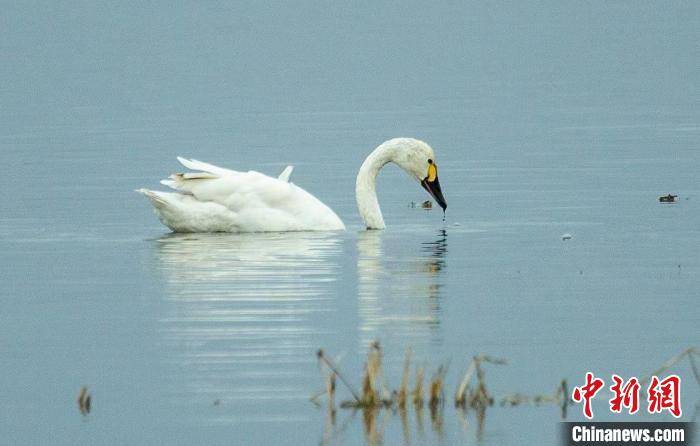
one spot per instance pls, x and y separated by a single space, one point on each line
399 295
242 313
398 304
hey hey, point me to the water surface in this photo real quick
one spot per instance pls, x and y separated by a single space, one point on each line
547 118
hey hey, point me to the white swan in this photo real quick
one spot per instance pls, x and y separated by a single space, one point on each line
214 199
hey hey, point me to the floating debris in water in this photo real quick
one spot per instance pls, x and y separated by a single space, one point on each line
566 236
427 204
559 397
84 400
217 402
668 198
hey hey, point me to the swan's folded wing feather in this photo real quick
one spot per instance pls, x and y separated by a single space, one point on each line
286 174
170 183
179 181
194 164
198 176
244 190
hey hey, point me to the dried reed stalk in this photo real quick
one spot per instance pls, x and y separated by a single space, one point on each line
402 394
322 357
463 388
689 352
436 387
373 368
330 390
418 389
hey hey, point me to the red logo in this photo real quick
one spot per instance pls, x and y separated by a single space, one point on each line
626 395
587 392
665 395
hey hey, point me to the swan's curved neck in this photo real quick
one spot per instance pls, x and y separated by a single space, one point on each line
365 186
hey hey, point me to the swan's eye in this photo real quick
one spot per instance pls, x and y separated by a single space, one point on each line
432 171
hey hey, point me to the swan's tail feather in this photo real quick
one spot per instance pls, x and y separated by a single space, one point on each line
170 183
286 174
205 167
157 198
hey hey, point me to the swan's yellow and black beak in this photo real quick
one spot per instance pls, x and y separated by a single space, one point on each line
432 185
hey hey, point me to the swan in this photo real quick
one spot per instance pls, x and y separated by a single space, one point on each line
215 199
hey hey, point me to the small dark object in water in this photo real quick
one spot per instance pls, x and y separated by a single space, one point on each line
668 198
217 402
84 401
427 204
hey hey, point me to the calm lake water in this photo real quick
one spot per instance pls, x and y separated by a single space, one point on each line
547 118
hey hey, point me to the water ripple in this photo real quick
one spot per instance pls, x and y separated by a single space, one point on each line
399 295
239 320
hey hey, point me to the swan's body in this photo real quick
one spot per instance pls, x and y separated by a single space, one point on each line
222 200
215 199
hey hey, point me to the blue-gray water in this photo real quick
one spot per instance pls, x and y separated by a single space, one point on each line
547 118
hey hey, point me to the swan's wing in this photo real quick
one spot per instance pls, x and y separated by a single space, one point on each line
286 174
194 164
205 167
244 190
176 180
206 171
229 187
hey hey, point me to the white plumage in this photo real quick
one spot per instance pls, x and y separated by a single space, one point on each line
216 199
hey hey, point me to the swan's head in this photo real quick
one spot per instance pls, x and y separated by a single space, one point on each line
418 159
